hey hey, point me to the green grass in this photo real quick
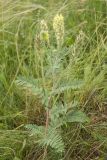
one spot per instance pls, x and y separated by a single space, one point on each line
69 82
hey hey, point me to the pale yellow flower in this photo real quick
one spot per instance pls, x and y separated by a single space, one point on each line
44 34
58 26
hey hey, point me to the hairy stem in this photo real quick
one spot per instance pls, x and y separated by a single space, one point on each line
46 130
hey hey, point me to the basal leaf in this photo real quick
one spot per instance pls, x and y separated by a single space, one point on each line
77 116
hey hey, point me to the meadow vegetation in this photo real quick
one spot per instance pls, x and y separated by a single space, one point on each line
53 79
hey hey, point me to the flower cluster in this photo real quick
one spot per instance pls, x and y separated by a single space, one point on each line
44 34
58 26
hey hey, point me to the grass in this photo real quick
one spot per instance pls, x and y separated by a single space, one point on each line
63 88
